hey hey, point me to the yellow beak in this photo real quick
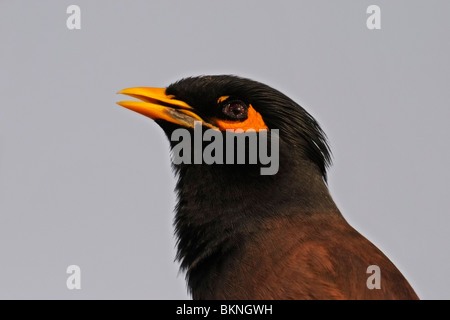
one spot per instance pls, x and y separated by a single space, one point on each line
155 104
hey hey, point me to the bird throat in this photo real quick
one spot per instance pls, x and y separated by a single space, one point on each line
221 207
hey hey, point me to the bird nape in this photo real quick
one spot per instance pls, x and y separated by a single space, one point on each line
246 235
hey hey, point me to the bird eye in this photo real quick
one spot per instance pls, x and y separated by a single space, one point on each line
235 110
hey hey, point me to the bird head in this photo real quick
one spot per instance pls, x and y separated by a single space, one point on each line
228 102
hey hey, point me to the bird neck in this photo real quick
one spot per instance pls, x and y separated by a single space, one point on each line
220 207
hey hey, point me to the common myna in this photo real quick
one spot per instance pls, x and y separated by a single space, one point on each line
243 234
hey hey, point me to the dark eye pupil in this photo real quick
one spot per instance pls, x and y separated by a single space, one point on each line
235 110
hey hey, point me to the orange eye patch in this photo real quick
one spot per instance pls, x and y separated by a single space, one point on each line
254 121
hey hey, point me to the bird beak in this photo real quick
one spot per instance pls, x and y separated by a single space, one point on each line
155 104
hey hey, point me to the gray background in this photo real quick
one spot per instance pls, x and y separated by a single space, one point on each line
84 181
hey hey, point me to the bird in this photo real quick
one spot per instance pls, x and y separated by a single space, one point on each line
242 235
